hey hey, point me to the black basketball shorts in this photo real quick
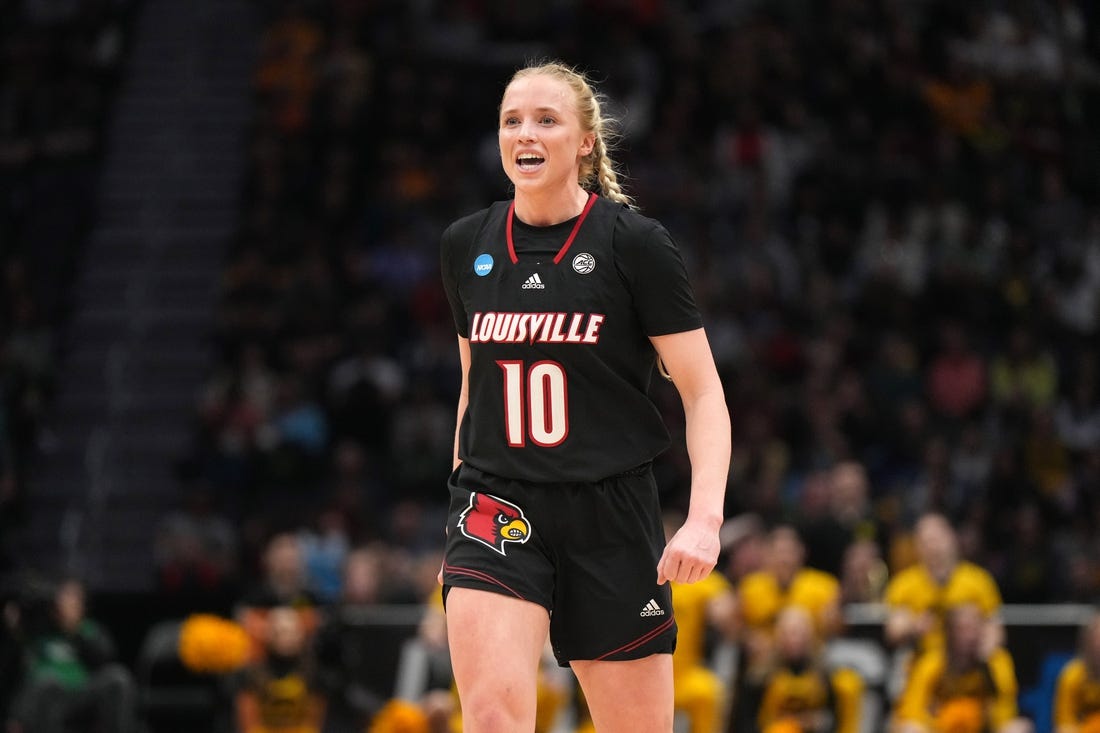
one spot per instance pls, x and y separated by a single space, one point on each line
587 552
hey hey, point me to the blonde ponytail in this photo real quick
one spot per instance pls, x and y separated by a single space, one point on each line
606 175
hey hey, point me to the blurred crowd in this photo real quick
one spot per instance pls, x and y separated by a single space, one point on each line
763 645
59 63
891 212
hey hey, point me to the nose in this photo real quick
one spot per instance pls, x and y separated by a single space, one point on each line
527 131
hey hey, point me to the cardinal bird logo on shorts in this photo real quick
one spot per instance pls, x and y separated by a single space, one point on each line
492 521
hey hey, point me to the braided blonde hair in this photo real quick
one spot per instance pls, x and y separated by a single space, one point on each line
597 168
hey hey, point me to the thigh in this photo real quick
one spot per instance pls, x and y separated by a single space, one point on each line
497 538
633 696
41 706
607 603
495 643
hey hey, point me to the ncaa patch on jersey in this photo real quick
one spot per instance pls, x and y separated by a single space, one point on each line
483 265
584 263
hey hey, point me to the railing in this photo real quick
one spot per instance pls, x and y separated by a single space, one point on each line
1041 637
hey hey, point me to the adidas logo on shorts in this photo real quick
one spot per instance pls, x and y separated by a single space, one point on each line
533 283
652 609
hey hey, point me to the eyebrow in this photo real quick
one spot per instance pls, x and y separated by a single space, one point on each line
513 110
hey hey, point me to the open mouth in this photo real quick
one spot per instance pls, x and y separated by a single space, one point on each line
529 161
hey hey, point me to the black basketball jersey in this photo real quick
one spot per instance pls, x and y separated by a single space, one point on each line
558 320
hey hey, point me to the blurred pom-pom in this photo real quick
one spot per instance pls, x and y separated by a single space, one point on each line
399 716
783 725
961 715
211 644
1091 724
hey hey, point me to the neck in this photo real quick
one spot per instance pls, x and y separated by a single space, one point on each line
961 661
941 573
544 209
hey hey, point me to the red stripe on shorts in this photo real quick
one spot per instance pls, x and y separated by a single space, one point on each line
648 636
479 575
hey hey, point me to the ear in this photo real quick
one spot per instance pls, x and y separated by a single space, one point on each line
587 144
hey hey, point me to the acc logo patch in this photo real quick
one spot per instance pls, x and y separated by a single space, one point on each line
483 265
584 263
493 521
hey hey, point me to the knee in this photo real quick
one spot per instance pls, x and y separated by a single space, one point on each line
1017 725
43 690
116 679
496 713
33 696
907 726
490 719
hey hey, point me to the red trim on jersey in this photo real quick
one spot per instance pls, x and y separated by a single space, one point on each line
514 441
646 637
508 232
576 228
478 575
568 242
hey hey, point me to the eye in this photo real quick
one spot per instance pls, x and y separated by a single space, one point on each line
547 120
502 519
510 122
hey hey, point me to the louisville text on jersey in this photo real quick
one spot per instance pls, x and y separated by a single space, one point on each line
545 328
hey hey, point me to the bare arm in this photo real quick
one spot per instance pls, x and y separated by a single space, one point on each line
693 551
903 626
832 619
724 614
463 402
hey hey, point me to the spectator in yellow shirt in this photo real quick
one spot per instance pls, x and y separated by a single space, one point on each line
796 693
783 581
786 581
918 597
1077 695
966 686
279 693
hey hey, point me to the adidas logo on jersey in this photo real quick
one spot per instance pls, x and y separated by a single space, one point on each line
652 609
533 283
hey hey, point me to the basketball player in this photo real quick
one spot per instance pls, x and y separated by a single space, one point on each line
564 298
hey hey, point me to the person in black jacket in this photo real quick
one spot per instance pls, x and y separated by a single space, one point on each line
349 668
71 667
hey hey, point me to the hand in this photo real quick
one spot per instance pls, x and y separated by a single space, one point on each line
7 488
439 577
691 553
924 623
11 615
993 637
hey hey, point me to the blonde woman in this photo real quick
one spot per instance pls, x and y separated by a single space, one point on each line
564 299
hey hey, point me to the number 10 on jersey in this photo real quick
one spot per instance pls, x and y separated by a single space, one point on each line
536 403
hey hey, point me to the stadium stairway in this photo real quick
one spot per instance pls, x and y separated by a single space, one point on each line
136 347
